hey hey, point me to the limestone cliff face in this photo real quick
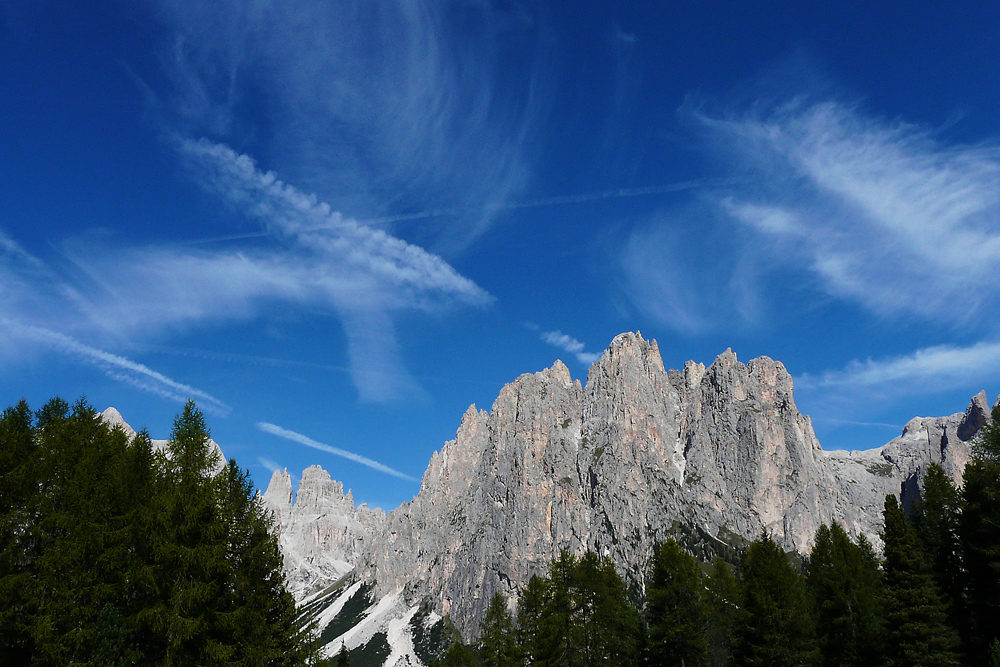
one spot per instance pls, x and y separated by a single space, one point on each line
616 466
320 531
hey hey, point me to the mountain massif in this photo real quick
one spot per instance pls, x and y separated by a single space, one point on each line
639 454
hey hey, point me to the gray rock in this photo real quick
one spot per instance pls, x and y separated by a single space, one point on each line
615 467
320 531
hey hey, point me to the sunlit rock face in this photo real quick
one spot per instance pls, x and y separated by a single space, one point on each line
320 531
613 467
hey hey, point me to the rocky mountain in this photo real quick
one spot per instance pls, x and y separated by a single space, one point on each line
322 534
637 455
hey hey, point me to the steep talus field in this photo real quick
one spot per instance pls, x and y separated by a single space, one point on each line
711 455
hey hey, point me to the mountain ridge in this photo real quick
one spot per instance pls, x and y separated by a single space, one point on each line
615 466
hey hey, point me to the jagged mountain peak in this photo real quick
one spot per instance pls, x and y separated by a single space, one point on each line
638 455
113 418
279 494
977 414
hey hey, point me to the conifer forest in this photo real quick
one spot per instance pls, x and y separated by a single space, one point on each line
113 552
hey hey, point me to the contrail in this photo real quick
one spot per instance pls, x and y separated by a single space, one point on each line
122 369
350 456
620 193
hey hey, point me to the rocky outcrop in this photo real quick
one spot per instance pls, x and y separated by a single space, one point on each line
615 467
320 531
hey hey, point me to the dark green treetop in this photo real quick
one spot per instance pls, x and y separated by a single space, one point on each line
676 609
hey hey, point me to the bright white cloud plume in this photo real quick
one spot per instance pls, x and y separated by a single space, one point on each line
935 368
294 215
336 451
571 345
368 105
830 202
885 214
317 258
118 368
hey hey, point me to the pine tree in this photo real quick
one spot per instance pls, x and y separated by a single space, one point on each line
256 615
459 656
557 630
497 645
342 656
193 558
578 616
979 530
722 606
19 490
607 625
776 627
675 609
918 633
845 581
938 517
530 617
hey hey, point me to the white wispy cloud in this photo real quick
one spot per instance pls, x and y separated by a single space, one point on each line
318 258
571 345
269 464
336 451
886 214
117 367
826 202
369 105
930 369
291 213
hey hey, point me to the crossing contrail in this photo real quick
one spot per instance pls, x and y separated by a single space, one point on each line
620 193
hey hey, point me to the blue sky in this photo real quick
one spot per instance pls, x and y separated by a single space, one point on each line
336 225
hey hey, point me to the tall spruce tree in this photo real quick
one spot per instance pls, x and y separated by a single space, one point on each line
530 620
776 627
979 530
497 644
606 623
193 559
19 490
722 598
938 516
578 616
675 609
558 630
845 581
918 633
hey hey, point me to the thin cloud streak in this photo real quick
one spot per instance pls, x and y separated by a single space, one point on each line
929 369
120 368
336 451
289 212
269 464
621 193
571 345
